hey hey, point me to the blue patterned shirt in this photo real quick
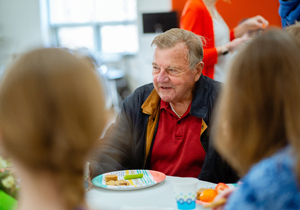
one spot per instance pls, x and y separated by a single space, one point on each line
271 184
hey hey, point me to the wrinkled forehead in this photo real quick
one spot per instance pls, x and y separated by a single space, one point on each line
175 56
179 50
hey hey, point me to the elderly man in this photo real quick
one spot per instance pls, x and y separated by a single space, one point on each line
164 126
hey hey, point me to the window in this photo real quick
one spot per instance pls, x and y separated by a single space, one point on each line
99 25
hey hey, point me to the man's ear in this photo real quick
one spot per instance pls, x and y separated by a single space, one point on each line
198 69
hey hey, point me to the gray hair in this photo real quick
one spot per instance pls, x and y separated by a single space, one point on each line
174 36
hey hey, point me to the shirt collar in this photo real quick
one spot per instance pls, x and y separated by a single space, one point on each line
164 105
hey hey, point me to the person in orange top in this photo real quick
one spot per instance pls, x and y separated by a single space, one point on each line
202 18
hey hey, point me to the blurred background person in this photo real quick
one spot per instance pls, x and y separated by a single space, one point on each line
289 11
258 122
52 112
202 18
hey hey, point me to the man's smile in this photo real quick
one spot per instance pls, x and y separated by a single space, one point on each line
165 87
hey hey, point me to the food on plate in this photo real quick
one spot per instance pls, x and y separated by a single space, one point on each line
118 183
200 191
221 187
109 177
133 176
208 195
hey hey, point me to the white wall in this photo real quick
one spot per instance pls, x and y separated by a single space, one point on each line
145 55
20 27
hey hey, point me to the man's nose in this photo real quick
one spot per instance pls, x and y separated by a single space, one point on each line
162 77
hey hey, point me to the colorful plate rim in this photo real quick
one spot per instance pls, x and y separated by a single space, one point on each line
156 175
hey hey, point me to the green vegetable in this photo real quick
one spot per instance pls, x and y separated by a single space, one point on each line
133 176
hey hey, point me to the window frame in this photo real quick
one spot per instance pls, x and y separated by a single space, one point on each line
96 26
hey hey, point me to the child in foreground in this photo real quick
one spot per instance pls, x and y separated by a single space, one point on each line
258 121
51 114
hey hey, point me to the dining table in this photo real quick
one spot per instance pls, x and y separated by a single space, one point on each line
160 196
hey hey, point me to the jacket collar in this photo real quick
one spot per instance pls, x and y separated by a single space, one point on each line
151 103
199 105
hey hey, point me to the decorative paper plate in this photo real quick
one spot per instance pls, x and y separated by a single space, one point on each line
149 179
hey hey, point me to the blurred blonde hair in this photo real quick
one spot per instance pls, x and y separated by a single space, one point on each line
174 36
258 112
294 30
51 113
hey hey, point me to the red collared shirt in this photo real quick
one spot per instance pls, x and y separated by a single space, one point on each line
177 150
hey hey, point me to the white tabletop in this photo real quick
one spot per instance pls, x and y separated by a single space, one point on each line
160 195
